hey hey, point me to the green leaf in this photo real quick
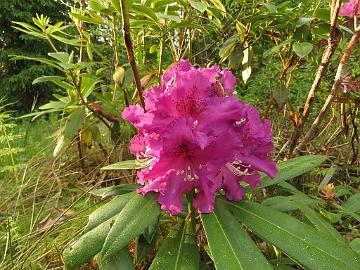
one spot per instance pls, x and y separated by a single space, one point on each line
116 4
74 123
179 251
39 113
139 213
235 59
128 165
168 17
292 168
26 26
62 57
315 218
114 190
37 59
355 245
87 19
218 5
353 203
96 6
322 14
277 48
87 85
320 224
298 240
98 227
187 24
107 211
272 8
73 42
120 261
304 20
47 79
302 49
286 203
87 246
53 105
230 246
228 47
200 6
143 10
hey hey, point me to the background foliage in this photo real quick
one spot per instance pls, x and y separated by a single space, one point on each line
71 58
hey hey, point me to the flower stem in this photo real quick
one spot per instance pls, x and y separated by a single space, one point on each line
129 48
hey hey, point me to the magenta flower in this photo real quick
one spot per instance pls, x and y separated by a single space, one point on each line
347 84
348 9
198 137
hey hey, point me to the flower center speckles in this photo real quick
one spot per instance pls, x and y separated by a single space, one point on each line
191 105
238 168
180 148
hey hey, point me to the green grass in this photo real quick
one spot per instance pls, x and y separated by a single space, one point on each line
35 195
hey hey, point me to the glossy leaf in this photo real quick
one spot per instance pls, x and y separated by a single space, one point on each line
114 190
62 57
120 261
302 49
74 122
37 59
286 203
168 17
322 225
228 47
139 213
272 8
47 79
143 10
108 210
88 245
315 218
87 19
116 4
73 42
127 165
353 203
179 251
300 241
230 246
198 5
293 168
95 232
355 245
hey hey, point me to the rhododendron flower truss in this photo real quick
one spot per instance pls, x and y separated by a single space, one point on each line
349 8
199 138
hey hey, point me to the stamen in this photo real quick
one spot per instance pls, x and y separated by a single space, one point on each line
240 122
238 169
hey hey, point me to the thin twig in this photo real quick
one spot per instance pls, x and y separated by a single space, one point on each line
217 39
337 81
130 50
328 53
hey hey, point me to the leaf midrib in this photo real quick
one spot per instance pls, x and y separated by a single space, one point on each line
227 240
315 159
180 247
294 235
132 221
